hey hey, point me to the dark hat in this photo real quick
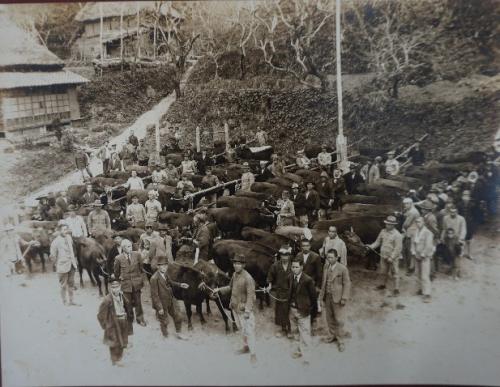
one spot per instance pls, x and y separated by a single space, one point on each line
161 260
239 258
391 220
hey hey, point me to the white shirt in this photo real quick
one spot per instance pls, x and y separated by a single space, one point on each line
135 183
77 226
305 257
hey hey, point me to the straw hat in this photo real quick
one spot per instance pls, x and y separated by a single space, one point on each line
391 220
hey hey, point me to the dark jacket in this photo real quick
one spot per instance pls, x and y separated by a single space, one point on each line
203 236
130 274
161 291
417 156
313 267
305 294
299 204
279 278
311 203
89 198
352 182
325 192
115 330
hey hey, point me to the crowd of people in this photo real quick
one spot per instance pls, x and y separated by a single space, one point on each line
435 225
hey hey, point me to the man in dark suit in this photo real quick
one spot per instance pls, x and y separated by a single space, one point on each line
352 180
162 297
203 160
326 194
302 300
311 202
128 269
298 200
312 262
112 317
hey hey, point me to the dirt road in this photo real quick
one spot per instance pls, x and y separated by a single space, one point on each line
454 339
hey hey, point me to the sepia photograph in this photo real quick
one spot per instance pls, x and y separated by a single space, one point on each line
251 192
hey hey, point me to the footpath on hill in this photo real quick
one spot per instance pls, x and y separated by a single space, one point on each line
150 117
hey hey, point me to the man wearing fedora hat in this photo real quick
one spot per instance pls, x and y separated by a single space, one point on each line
298 200
162 298
247 178
242 289
98 221
391 164
277 279
390 242
112 317
409 227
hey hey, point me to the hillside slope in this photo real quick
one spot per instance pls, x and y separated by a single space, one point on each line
459 116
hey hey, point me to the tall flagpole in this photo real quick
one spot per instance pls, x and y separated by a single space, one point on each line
341 139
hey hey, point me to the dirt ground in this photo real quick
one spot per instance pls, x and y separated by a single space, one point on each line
454 339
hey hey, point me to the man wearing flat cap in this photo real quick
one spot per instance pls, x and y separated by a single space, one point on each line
390 242
242 289
112 317
277 279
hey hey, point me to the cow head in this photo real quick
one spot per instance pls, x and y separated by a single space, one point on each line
354 244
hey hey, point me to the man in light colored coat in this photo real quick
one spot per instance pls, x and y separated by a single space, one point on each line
390 242
335 291
410 214
332 241
62 252
423 249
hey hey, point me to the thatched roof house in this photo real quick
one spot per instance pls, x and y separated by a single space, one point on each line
35 89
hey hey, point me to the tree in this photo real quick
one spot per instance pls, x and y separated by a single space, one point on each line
293 38
176 37
215 23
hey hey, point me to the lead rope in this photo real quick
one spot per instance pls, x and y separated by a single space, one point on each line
263 290
203 284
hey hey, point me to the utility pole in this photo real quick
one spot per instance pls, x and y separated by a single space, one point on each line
121 35
100 35
341 139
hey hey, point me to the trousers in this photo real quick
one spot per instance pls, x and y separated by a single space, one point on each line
303 324
247 327
67 282
173 311
390 270
133 299
116 353
334 317
423 268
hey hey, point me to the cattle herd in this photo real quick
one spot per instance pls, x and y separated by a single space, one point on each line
253 220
